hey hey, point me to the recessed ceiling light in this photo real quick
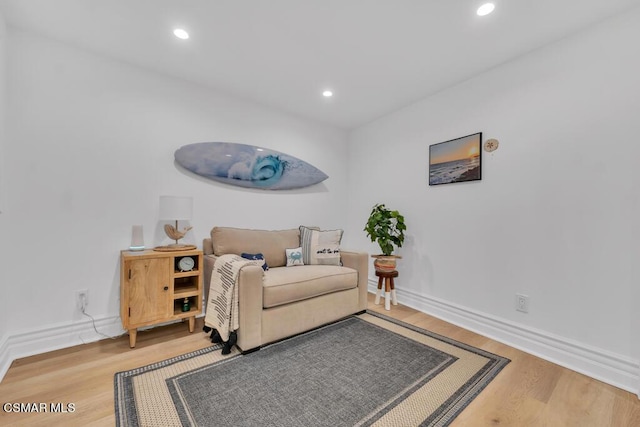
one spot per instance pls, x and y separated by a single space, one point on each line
327 94
485 9
181 34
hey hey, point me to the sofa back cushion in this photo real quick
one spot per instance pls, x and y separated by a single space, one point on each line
320 247
270 243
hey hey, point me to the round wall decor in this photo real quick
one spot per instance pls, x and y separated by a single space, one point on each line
491 145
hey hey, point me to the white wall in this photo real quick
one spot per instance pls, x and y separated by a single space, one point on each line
555 215
90 148
91 143
3 299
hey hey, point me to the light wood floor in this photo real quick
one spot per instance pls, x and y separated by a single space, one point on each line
528 392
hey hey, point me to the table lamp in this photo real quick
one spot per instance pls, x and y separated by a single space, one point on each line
176 208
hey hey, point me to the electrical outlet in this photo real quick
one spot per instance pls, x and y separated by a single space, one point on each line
522 303
82 299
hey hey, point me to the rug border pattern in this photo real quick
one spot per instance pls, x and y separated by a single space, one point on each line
126 414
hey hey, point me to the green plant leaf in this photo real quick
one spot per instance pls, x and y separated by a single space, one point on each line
386 227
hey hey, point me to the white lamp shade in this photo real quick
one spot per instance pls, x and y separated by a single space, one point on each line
176 207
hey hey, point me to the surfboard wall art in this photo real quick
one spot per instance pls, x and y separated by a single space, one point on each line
248 166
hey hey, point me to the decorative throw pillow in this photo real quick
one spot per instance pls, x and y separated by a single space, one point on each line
320 247
294 257
256 257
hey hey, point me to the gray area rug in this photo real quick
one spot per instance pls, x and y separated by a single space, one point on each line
364 370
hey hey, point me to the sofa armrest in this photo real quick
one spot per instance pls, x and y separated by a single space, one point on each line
250 303
209 262
207 246
359 261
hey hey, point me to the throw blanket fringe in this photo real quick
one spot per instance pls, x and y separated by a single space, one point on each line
222 307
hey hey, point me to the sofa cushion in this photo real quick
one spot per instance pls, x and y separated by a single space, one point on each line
294 257
256 257
320 247
283 285
271 243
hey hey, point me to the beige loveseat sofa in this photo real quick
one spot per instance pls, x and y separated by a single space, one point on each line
283 301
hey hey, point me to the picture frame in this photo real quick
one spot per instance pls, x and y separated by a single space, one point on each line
456 160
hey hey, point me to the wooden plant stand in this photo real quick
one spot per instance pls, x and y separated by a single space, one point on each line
389 288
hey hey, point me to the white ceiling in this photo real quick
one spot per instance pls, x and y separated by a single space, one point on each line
376 55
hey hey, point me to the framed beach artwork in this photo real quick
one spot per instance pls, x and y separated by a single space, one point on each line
457 160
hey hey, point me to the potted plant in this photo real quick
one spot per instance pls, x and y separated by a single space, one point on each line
386 227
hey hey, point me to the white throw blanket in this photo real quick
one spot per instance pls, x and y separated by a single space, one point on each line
222 307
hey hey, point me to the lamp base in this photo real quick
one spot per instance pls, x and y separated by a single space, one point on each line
174 247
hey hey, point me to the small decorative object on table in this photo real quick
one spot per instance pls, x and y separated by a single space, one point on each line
186 263
137 239
175 208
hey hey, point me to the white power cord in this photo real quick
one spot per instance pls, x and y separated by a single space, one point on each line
93 321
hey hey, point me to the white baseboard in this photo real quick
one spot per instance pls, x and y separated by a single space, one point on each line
611 368
5 360
37 341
